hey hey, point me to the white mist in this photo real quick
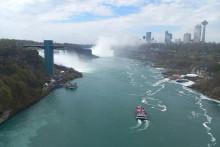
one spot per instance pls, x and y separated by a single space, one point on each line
104 45
69 60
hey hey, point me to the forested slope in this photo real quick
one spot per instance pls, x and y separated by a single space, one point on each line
22 78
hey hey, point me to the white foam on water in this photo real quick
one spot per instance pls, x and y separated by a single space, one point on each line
152 100
146 124
194 114
164 108
190 83
189 90
144 101
206 98
140 126
205 114
159 82
158 104
209 120
148 92
158 90
144 84
181 92
139 122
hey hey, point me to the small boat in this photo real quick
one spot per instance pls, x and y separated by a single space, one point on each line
71 85
182 80
141 113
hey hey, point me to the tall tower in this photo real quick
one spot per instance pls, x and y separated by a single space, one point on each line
48 57
204 23
197 33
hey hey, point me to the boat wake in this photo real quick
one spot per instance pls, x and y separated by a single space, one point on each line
145 126
139 122
140 126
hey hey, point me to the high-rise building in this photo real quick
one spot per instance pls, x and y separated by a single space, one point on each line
204 23
48 57
148 37
187 38
168 37
197 33
177 41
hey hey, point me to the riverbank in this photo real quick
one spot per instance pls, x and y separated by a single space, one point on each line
22 77
69 74
204 79
200 59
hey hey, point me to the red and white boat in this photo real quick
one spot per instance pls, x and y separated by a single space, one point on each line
141 113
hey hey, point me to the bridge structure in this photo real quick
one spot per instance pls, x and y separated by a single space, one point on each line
48 54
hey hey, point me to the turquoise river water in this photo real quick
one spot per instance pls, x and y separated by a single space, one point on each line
100 112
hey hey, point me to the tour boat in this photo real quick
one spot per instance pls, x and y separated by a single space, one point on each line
71 86
141 113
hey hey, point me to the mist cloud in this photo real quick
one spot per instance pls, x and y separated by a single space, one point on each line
105 44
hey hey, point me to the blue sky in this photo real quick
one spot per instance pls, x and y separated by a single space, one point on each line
117 11
78 21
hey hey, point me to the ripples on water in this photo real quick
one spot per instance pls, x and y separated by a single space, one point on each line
140 126
147 96
141 81
198 101
150 89
145 86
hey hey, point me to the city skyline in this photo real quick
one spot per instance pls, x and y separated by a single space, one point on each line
74 21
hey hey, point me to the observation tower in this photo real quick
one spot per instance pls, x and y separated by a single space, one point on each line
204 23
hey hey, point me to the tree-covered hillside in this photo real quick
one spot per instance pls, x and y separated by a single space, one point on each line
185 58
22 78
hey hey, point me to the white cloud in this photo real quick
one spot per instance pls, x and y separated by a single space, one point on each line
126 2
38 19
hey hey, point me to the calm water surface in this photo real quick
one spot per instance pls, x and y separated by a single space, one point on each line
100 113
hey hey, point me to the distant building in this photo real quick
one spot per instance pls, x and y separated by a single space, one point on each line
197 33
168 37
148 37
187 38
48 57
177 41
